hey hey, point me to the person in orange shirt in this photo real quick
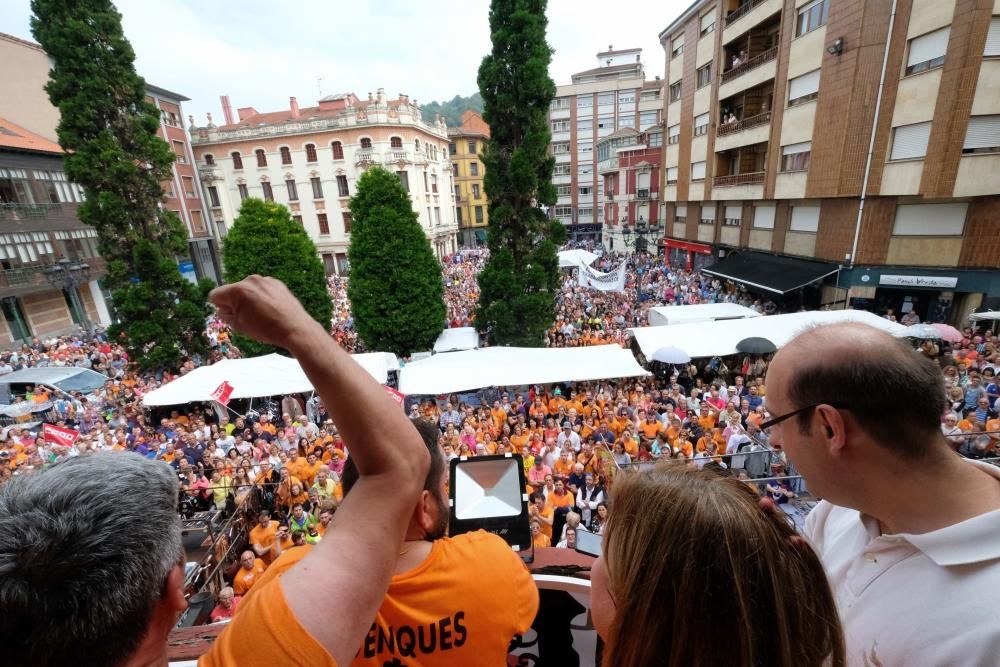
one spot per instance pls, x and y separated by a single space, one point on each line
650 427
296 464
683 444
542 512
309 470
287 620
563 466
249 573
262 537
538 537
437 594
560 497
706 419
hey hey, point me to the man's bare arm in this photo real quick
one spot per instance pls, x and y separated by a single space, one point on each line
357 555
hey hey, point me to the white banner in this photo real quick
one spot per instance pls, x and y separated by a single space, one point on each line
605 282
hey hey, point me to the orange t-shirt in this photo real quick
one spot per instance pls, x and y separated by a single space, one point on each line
650 429
555 500
245 578
438 613
264 537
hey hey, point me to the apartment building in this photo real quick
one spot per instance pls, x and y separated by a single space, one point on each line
40 227
838 153
25 102
598 102
310 158
628 162
465 143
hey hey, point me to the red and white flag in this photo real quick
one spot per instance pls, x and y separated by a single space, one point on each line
59 435
395 395
223 392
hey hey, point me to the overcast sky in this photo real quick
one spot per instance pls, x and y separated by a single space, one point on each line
261 52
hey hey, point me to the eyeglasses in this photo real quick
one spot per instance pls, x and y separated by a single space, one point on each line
764 426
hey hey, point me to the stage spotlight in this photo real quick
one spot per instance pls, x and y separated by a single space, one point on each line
488 493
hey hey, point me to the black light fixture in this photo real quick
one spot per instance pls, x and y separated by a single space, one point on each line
836 48
488 493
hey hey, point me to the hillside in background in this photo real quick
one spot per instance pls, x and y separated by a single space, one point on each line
452 110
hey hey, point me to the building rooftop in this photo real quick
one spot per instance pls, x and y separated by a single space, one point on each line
163 92
612 69
617 52
16 137
472 125
308 113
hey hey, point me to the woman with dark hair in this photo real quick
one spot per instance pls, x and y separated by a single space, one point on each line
686 547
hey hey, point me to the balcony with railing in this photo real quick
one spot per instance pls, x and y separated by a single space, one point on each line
742 10
740 166
364 156
396 155
17 211
751 63
735 126
745 110
27 279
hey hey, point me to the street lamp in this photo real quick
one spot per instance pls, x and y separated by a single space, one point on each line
68 275
639 241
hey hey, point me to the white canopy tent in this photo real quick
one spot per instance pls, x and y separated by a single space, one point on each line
710 339
699 312
993 315
570 259
457 340
269 375
515 366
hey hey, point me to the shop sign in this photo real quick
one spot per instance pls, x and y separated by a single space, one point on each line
941 282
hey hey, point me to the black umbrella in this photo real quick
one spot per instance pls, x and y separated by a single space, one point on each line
756 345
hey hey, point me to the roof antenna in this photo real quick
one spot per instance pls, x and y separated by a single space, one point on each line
319 86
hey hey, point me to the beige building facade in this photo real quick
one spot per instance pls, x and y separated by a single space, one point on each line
862 138
596 103
310 158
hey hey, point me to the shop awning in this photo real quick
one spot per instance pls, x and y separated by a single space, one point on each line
771 273
480 235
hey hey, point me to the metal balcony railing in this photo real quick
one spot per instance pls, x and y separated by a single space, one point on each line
753 63
745 124
749 178
742 11
17 211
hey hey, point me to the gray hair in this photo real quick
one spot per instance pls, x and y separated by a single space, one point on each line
85 551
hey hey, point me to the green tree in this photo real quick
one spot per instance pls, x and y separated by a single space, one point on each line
395 286
109 132
266 241
452 110
519 284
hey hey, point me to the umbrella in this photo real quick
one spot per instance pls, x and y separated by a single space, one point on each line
949 333
922 331
756 345
671 355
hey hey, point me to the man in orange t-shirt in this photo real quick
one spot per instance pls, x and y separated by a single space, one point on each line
262 537
249 574
438 610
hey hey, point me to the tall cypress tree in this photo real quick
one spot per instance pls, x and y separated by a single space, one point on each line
109 132
518 285
395 287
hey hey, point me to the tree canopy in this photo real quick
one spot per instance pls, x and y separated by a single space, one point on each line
395 284
452 110
266 241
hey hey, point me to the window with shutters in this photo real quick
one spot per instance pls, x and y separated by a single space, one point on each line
680 214
675 91
434 183
324 224
704 75
560 126
311 153
563 211
366 142
397 142
927 51
763 217
317 187
298 219
209 159
342 189
677 45
584 101
804 219
707 215
795 157
674 134
698 171
237 160
993 38
930 220
268 192
475 190
802 89
734 216
909 142
560 148
243 190
404 180
213 196
708 22
261 157
982 135
338 150
293 191
286 155
348 219
479 214
671 175
473 169
701 124
812 16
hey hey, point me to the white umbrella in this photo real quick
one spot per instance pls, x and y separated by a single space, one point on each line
671 355
922 331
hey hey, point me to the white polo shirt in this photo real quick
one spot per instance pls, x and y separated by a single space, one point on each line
923 600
